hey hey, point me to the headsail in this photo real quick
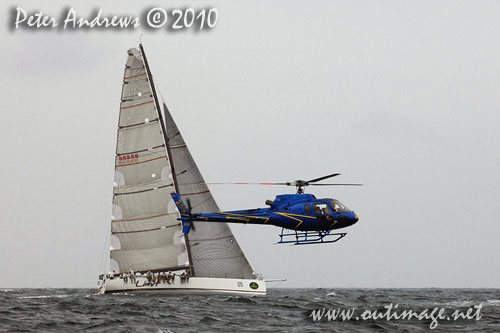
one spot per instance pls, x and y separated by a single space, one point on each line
145 233
214 250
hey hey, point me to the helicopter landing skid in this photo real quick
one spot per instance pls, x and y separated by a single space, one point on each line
309 237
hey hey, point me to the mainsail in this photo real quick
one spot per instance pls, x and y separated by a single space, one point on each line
145 232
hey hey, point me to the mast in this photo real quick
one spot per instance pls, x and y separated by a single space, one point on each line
167 145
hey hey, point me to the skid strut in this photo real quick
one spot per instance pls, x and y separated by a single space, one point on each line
309 237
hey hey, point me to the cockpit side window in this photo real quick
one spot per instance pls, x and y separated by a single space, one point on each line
307 209
321 209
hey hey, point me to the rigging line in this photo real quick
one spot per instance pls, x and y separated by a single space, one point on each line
243 225
103 256
159 91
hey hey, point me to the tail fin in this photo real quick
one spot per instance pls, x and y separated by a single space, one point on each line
185 213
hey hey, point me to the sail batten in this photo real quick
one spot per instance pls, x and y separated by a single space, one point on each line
138 124
139 151
132 232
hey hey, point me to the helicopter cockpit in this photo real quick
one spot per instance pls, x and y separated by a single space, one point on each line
326 208
339 207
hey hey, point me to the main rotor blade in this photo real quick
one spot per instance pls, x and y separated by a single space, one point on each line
321 178
335 184
249 183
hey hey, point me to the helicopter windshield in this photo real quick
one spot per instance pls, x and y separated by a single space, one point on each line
338 207
321 209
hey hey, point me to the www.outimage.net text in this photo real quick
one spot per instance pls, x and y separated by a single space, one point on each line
392 312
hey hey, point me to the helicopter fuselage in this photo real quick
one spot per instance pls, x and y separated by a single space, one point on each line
303 212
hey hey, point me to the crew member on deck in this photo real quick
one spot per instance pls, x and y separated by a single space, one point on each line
132 276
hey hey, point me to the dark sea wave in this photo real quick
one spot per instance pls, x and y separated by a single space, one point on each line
282 310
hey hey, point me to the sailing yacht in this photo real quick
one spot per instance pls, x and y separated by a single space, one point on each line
148 250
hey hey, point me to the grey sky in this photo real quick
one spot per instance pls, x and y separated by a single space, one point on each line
401 96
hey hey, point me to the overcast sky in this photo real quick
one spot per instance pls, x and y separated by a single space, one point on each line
401 96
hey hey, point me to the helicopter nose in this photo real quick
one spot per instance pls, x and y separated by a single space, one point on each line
355 218
348 218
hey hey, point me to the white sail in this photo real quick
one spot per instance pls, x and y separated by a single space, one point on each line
145 232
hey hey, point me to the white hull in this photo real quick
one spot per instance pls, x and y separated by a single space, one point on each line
195 286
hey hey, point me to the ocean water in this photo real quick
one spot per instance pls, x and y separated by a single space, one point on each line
282 310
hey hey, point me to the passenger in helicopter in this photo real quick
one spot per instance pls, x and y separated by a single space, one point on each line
321 209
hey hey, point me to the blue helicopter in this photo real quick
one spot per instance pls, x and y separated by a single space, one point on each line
310 219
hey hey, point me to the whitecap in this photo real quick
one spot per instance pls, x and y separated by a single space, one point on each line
459 303
45 296
123 294
494 302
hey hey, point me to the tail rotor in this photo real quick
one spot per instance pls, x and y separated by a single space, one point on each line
185 211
